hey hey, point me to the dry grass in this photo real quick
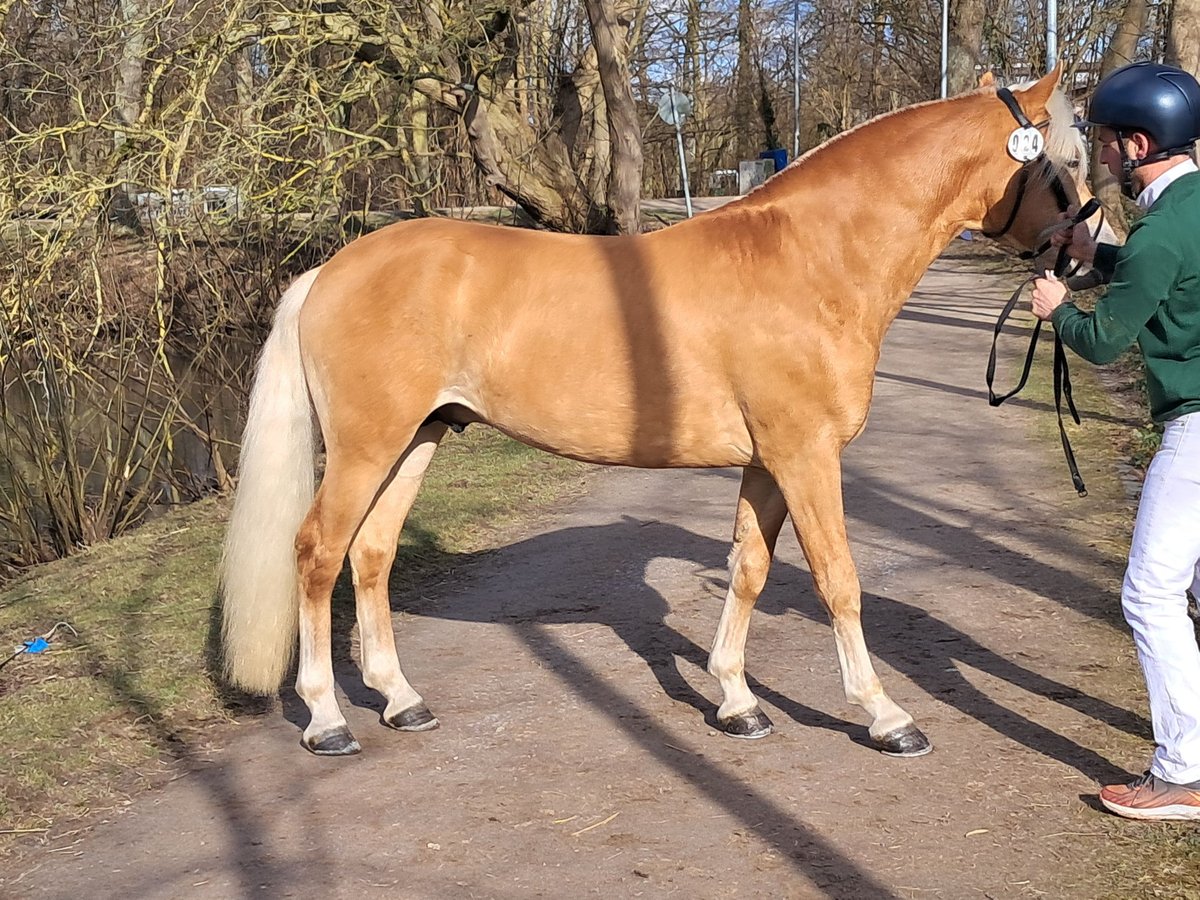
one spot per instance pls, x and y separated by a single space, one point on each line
99 717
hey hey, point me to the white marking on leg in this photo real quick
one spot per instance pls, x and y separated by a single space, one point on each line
314 678
860 682
381 664
371 558
727 659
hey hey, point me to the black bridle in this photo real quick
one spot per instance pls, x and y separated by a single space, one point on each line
1062 375
1060 194
1048 174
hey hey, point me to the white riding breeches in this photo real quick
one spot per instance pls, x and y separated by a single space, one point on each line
1164 562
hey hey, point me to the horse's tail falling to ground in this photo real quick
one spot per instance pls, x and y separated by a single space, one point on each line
275 490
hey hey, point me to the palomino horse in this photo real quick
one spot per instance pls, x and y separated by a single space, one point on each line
746 337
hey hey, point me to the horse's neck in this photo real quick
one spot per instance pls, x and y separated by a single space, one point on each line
914 175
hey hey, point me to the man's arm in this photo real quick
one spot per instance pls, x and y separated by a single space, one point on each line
1104 261
1143 277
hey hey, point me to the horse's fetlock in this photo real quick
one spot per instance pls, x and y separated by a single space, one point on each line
722 667
307 691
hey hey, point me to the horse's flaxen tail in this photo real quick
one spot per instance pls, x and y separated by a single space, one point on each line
259 589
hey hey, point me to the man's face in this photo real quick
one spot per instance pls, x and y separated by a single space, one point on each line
1110 153
1138 145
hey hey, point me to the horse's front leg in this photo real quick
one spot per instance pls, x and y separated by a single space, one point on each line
760 515
811 481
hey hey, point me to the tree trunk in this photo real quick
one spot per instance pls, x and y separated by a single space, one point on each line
243 76
1183 37
746 140
558 171
694 144
766 108
691 54
1121 51
624 131
129 67
966 43
420 153
128 106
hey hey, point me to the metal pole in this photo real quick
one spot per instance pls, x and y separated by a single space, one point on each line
945 42
1051 34
796 77
687 195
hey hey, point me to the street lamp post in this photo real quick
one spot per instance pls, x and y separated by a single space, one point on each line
945 42
672 107
1051 34
796 77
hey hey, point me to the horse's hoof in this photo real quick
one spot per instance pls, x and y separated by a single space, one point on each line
415 718
747 726
338 742
906 741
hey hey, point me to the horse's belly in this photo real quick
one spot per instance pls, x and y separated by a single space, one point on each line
650 437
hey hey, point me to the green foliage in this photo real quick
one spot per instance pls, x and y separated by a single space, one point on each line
1144 442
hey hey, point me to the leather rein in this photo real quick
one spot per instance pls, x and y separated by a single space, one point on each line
1062 376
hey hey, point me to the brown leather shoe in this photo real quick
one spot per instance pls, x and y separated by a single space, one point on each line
1148 797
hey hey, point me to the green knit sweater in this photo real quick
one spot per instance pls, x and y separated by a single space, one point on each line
1153 298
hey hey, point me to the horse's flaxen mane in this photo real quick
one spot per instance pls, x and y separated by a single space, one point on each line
1065 146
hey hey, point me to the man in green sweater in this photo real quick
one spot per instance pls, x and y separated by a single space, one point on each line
1148 120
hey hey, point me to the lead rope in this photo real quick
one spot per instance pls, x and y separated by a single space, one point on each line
1062 374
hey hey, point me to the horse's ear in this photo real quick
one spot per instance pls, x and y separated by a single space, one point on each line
1035 97
987 79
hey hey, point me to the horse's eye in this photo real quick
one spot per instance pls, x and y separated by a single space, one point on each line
1073 164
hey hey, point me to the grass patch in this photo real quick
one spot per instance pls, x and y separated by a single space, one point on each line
1113 446
102 715
1155 861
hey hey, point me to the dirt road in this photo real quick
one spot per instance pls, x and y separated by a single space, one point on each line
576 754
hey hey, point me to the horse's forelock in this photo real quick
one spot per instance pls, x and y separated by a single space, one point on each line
1064 143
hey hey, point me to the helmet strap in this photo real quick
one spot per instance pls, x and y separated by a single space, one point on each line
1128 165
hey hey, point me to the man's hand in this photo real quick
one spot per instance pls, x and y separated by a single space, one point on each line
1077 240
1048 295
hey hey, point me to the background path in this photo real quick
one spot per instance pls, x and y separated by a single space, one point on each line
576 754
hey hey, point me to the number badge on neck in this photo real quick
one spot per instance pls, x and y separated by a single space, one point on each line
1026 144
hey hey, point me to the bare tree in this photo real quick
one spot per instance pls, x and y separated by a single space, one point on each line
746 130
1122 50
1183 36
966 45
625 172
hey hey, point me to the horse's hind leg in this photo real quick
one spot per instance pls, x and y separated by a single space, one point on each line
760 515
371 556
348 489
812 484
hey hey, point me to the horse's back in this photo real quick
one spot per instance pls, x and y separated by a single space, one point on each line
587 346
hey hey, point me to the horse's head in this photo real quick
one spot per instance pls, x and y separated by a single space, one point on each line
1037 166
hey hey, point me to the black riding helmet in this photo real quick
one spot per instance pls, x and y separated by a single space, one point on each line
1160 100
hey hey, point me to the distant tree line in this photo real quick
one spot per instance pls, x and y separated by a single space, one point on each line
166 165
